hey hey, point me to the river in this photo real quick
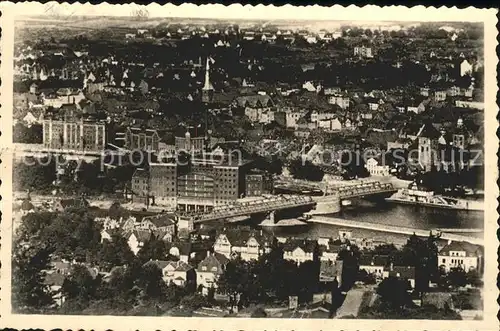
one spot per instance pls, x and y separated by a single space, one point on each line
408 216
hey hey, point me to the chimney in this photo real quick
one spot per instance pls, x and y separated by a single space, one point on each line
391 267
208 253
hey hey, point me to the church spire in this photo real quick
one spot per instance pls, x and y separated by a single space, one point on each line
208 86
207 91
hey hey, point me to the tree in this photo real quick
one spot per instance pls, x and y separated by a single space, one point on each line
422 254
474 278
385 249
115 252
73 234
35 174
350 266
150 281
353 165
394 292
300 169
80 285
193 301
457 277
240 279
29 269
153 249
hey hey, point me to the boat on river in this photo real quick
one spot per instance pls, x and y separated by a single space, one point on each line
415 196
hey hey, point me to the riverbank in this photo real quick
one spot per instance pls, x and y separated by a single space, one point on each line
392 229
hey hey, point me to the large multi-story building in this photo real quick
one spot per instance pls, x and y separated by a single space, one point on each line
163 182
142 139
208 180
258 183
75 133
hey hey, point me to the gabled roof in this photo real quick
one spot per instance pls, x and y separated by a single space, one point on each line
429 131
240 237
176 265
306 245
461 246
254 101
329 249
159 220
405 272
213 260
142 235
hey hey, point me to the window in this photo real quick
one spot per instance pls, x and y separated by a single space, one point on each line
444 260
203 268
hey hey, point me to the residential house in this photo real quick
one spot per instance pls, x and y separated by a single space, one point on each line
179 273
453 91
363 51
339 100
373 264
332 91
31 118
137 238
318 115
376 169
332 124
331 270
465 68
209 270
191 250
401 272
300 250
247 244
458 254
425 91
293 116
440 95
328 251
160 222
374 103
309 86
254 105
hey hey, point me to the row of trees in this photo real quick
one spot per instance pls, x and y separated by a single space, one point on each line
44 175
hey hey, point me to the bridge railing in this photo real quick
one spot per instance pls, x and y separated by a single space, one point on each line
254 207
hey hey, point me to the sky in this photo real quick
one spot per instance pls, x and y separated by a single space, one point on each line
261 12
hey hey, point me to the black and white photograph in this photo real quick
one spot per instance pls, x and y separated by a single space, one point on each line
222 165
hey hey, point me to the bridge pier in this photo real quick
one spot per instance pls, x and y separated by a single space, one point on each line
326 205
272 216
